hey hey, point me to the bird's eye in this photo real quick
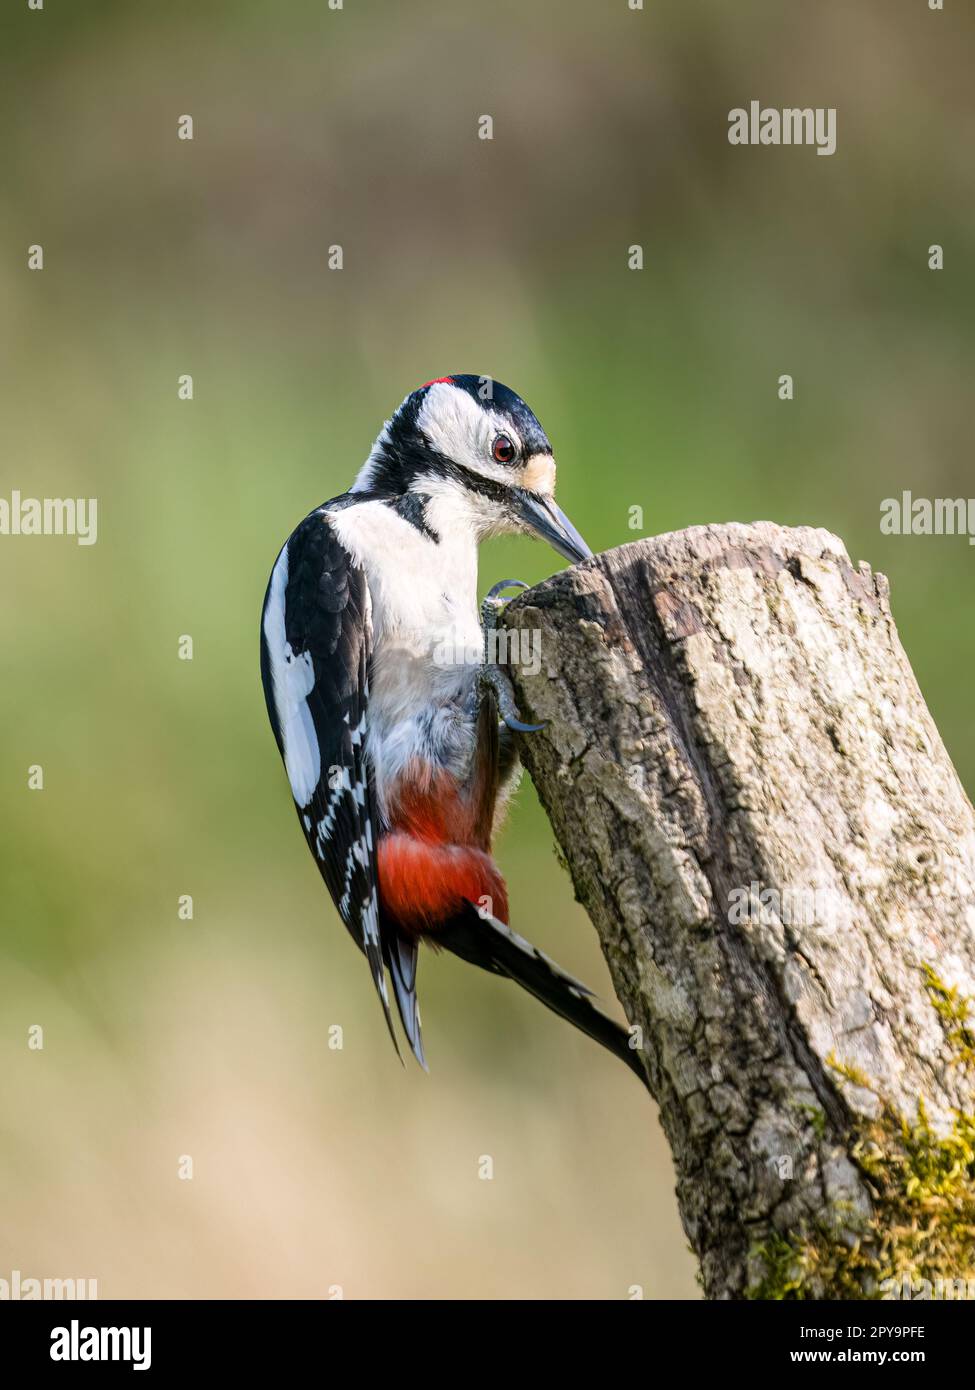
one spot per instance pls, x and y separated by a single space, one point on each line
503 450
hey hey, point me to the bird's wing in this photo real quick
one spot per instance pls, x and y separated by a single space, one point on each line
316 645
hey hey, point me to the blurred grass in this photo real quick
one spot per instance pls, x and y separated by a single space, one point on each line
658 389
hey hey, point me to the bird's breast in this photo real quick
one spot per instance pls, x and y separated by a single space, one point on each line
422 710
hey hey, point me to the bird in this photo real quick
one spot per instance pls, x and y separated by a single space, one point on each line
397 727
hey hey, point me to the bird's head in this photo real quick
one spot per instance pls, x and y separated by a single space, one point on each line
475 456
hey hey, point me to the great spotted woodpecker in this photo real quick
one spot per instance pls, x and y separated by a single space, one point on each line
390 733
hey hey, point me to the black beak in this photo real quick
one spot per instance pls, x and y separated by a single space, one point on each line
551 523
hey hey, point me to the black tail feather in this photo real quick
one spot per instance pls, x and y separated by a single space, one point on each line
488 943
401 957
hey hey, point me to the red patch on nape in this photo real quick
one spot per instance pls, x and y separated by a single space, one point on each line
448 379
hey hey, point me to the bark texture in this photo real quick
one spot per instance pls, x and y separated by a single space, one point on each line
736 743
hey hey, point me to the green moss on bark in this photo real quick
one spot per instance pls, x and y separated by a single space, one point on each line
922 1188
922 1185
955 1011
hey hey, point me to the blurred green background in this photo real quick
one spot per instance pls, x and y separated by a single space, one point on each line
312 1167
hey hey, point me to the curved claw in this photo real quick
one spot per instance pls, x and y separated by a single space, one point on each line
504 584
518 727
498 682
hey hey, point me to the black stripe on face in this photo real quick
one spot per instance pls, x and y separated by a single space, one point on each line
472 481
406 458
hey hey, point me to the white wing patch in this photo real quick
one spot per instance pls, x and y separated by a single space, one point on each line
292 680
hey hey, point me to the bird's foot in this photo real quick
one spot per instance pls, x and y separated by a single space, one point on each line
493 675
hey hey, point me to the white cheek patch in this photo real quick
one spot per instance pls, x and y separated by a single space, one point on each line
464 431
538 475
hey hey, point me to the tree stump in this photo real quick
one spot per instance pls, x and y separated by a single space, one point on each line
772 843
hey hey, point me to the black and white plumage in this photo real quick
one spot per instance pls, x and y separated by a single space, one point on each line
316 645
370 659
